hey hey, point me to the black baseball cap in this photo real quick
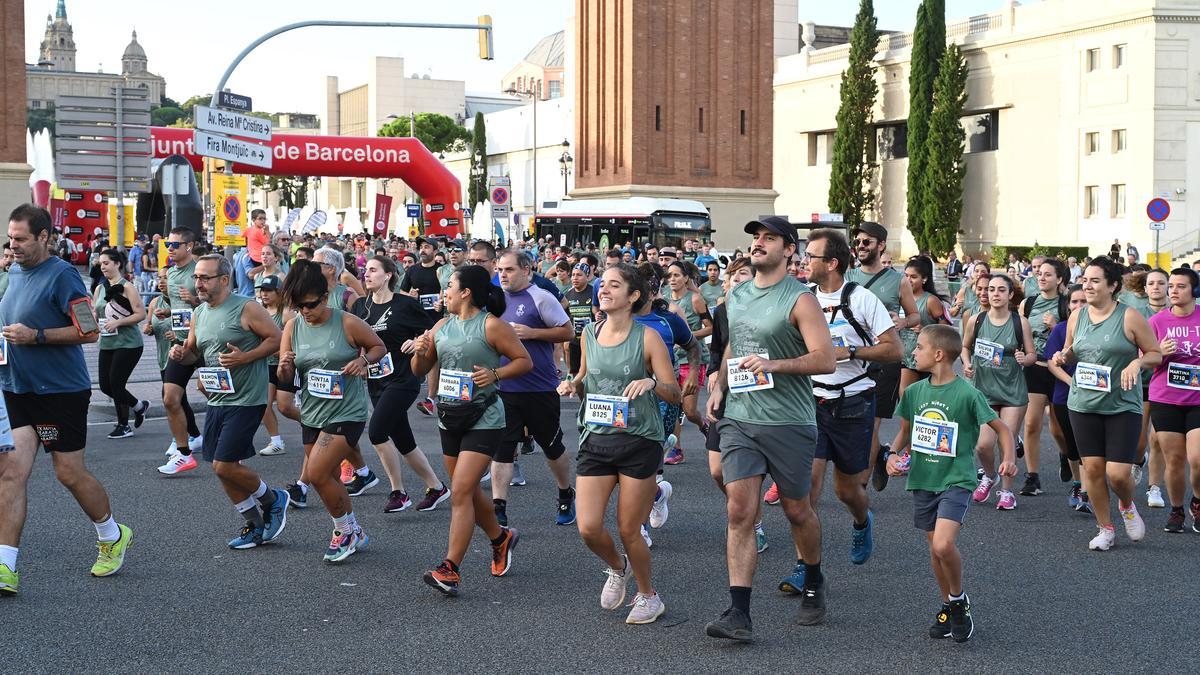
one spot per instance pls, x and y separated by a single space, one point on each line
456 245
871 229
775 224
268 282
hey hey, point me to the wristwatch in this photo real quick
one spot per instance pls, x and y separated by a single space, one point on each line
853 350
41 336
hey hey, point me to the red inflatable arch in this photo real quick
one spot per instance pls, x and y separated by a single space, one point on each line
381 157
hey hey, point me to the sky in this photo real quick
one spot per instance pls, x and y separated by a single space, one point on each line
191 49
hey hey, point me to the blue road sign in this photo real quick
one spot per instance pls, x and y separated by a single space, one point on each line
1158 209
413 210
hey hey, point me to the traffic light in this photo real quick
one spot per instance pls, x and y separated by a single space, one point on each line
485 38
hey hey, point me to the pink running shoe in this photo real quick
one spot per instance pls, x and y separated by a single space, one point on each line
772 496
984 490
347 472
1007 501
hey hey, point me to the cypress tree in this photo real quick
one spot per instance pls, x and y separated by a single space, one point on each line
850 176
942 182
929 43
478 190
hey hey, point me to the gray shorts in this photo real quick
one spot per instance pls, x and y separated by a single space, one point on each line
784 451
929 506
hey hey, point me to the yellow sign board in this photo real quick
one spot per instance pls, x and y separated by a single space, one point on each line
413 233
1162 260
162 254
229 204
130 225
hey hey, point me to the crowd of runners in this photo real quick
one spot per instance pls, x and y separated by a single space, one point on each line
802 348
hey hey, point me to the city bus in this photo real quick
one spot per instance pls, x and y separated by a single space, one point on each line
612 222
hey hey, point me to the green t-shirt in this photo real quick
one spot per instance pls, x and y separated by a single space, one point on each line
956 409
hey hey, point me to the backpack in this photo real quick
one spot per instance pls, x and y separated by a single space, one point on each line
843 306
1064 311
1016 323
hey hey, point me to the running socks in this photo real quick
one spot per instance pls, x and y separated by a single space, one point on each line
362 472
739 596
277 441
812 575
248 509
860 526
961 594
568 493
500 540
107 530
264 495
345 523
8 556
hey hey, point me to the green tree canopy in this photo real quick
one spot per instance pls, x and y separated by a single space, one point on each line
478 190
851 174
942 182
439 133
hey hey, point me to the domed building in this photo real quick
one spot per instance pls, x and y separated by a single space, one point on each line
55 75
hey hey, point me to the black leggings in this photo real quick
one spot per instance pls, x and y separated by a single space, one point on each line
188 414
1064 422
389 419
116 365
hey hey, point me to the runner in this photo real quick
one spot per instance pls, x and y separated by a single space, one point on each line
466 347
540 322
46 392
181 293
1102 341
577 301
421 282
398 320
863 333
870 245
119 310
1157 281
1043 311
1068 450
1175 395
966 302
332 351
684 294
938 417
621 439
919 273
997 346
778 338
164 338
712 289
230 340
283 394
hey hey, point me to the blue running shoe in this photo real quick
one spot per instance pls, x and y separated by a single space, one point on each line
861 541
794 583
276 518
566 510
1074 500
250 536
344 544
760 538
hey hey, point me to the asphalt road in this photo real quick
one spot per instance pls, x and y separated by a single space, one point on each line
186 603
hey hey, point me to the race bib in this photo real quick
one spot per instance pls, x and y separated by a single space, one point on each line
1093 376
3 351
742 381
1179 376
935 437
989 352
216 380
456 385
580 323
326 383
104 330
378 371
428 300
606 411
181 319
839 341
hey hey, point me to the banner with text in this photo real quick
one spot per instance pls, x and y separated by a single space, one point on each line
383 212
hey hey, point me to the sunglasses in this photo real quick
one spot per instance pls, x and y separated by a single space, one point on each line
311 305
860 243
172 245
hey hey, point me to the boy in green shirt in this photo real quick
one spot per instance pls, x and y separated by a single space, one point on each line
940 421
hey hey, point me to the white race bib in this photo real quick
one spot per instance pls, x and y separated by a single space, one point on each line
606 411
428 300
456 385
181 319
104 331
216 380
990 353
3 351
1180 376
378 371
1093 376
326 383
935 437
742 381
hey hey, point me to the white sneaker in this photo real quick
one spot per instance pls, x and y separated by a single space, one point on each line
172 449
1135 527
487 478
196 442
646 609
1104 540
1154 497
1136 472
178 464
273 449
646 537
613 593
659 511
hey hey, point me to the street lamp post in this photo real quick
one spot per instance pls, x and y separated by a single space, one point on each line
564 164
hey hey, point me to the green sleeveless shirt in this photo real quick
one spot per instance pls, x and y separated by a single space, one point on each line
1002 384
462 345
325 347
886 288
216 326
908 336
161 328
127 337
712 293
337 297
609 371
760 323
693 321
273 361
1104 344
1040 331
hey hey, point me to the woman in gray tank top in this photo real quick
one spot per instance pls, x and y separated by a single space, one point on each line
625 370
466 347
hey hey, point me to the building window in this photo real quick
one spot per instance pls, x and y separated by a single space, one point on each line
702 120
658 118
35 104
1118 201
1091 142
555 88
1091 201
891 141
1093 59
820 148
982 131
1118 140
1118 56
742 122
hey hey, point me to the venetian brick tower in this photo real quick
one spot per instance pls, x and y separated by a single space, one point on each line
674 99
14 172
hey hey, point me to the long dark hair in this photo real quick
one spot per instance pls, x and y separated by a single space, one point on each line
653 276
484 294
633 278
304 279
924 267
